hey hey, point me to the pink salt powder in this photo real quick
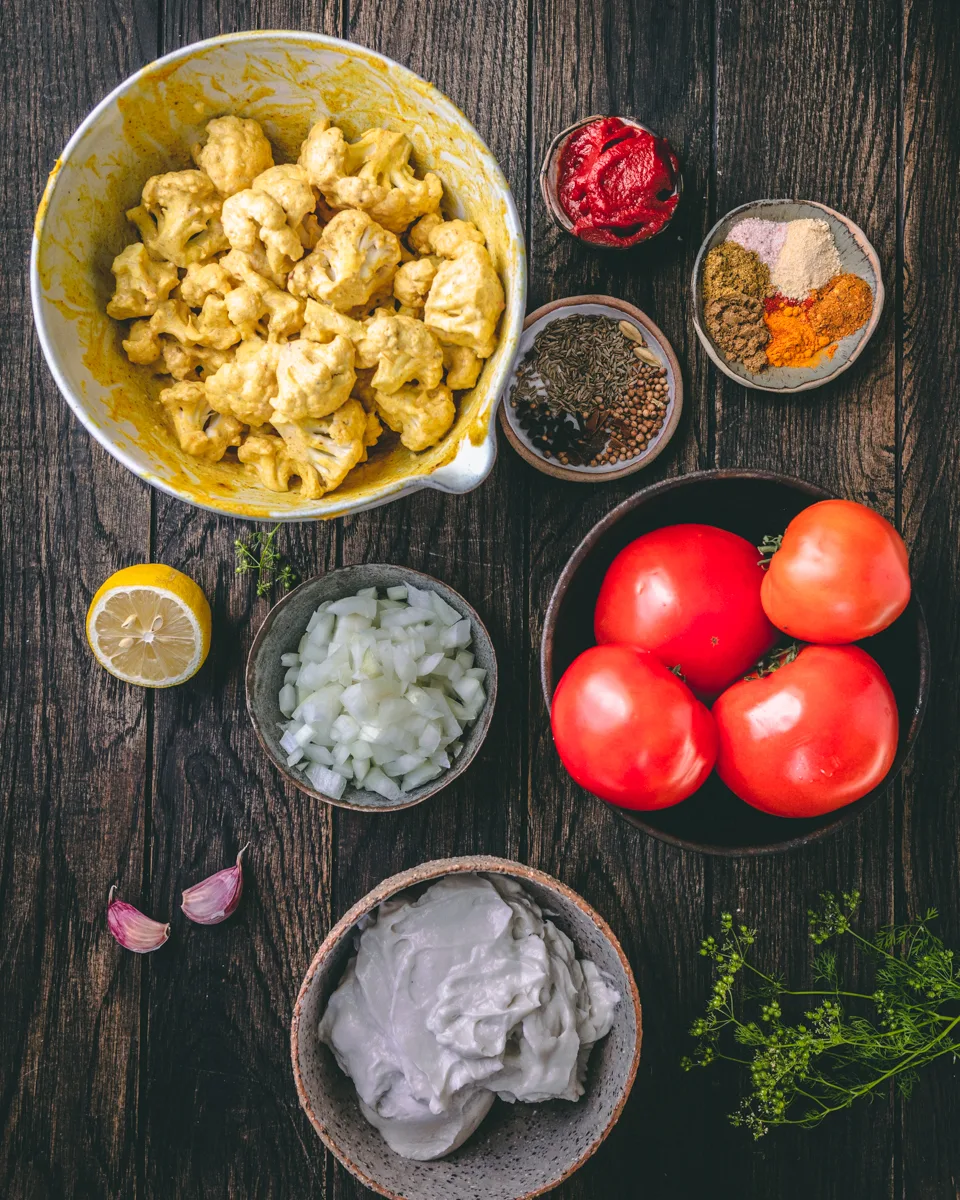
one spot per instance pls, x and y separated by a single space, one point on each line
764 238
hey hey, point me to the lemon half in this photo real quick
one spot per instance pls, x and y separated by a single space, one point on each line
149 625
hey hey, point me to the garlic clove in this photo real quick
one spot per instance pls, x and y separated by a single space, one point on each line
216 897
133 929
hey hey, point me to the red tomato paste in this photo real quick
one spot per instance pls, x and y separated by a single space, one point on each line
617 184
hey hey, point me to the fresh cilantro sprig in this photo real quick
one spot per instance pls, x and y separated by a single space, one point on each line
816 1051
259 555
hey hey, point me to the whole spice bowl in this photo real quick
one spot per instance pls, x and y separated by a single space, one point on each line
751 504
276 647
629 172
519 1150
597 391
795 294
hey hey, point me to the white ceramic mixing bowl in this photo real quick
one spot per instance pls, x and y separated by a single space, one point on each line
146 126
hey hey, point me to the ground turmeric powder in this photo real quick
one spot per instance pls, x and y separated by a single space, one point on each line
793 341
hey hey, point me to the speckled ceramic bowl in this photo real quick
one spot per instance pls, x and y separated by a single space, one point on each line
287 80
281 632
857 256
520 1150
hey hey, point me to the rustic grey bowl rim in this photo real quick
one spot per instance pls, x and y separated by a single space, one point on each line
755 207
437 869
474 736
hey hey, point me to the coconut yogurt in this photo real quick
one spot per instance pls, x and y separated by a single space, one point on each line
456 997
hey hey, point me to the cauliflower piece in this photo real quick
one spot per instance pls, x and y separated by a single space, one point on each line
462 366
143 346
323 323
373 173
192 363
413 281
402 350
419 235
237 151
371 434
363 388
255 300
267 454
200 431
203 280
252 220
174 318
142 283
246 388
421 416
466 297
322 451
214 327
179 217
313 380
289 186
354 258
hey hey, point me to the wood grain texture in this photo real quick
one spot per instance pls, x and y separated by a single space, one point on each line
169 1076
930 390
72 741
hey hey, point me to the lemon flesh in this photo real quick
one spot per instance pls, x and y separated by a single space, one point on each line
150 626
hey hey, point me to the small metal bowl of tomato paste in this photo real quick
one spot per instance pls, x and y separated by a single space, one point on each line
550 187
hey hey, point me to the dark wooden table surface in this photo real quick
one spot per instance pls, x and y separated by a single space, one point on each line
168 1076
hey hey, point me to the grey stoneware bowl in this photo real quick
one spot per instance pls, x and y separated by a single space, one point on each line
281 632
751 503
857 256
520 1150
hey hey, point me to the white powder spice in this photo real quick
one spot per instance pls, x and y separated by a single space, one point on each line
808 260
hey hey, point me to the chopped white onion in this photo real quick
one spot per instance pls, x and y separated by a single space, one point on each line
378 692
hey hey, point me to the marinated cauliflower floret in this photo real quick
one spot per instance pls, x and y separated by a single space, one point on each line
246 388
236 152
462 366
421 416
448 237
466 298
142 283
214 326
402 350
254 220
313 380
325 449
354 258
268 455
179 217
142 346
203 280
200 431
373 173
413 280
192 362
289 186
323 323
371 433
255 305
174 318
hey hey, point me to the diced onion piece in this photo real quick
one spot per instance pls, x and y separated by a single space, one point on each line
330 783
419 776
288 699
377 782
448 615
399 592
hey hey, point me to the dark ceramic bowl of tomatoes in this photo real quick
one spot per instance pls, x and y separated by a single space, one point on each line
751 504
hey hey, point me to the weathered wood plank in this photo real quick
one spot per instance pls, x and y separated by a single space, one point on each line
623 59
220 1115
930 412
789 123
72 740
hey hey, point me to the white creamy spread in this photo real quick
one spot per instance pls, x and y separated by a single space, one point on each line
462 995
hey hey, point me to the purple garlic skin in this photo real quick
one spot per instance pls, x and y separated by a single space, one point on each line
133 929
216 897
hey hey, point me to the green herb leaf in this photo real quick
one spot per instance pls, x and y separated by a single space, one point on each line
260 556
808 1053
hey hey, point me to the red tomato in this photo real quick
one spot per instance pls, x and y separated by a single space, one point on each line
691 594
815 735
631 732
841 574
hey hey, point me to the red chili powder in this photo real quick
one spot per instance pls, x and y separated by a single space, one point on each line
618 184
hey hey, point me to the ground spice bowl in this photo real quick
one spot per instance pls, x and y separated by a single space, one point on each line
749 503
617 310
281 632
857 256
520 1150
550 180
